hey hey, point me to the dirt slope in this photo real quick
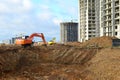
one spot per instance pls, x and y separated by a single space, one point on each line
106 65
52 62
61 62
103 41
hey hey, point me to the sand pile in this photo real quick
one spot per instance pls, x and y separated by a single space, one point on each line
105 65
104 41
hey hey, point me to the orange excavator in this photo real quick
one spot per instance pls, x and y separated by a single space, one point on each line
28 40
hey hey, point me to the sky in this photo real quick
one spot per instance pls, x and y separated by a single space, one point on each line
35 16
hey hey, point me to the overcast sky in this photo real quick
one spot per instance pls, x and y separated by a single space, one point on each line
29 16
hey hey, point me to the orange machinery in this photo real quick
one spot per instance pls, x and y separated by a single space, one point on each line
27 41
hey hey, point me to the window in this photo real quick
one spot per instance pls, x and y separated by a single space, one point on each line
89 25
116 3
115 27
89 35
93 17
116 15
93 14
89 14
116 9
89 21
90 29
109 5
109 17
90 32
117 21
116 33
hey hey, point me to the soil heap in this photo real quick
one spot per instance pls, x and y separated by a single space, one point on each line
61 62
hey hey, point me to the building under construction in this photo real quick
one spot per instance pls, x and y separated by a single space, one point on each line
87 17
98 18
69 31
110 18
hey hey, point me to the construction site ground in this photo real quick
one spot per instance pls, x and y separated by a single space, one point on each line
95 59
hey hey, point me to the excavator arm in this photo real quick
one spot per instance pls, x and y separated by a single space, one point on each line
37 35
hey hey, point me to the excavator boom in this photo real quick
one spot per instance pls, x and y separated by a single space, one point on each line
37 35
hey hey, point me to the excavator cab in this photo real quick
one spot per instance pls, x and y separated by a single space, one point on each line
25 37
23 41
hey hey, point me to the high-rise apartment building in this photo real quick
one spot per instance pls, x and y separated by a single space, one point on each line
88 27
110 18
97 17
69 31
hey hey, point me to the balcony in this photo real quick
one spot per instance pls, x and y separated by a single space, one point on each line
117 16
117 3
108 2
117 22
108 14
117 9
107 24
107 8
107 20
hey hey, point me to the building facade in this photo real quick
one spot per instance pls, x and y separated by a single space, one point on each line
110 18
97 17
88 27
69 31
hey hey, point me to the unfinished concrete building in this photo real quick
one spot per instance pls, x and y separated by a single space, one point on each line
69 31
87 20
110 18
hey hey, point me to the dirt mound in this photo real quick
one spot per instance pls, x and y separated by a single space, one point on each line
73 43
104 41
105 65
